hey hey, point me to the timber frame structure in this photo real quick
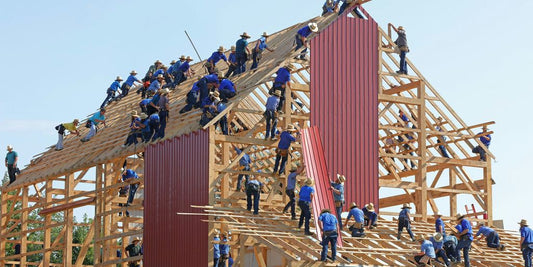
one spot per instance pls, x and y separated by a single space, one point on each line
60 181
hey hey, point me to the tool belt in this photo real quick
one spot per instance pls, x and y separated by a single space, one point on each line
330 233
339 203
282 152
270 114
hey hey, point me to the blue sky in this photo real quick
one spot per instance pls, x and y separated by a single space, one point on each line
59 57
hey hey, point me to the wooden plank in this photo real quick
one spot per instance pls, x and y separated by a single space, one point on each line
70 205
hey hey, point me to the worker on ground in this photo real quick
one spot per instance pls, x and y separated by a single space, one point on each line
404 221
306 196
215 58
281 82
359 218
401 42
329 6
149 74
184 71
12 158
282 152
301 39
491 236
441 139
144 105
223 121
209 107
133 250
244 162
242 52
526 242
130 176
207 84
371 217
92 123
155 85
154 122
135 131
449 246
232 60
126 86
271 114
111 91
337 187
439 224
163 107
72 127
192 98
437 241
289 190
224 250
485 139
227 89
253 189
328 227
427 252
465 239
216 250
257 51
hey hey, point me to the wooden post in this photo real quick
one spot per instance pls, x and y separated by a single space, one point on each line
24 226
97 216
69 222
487 179
48 221
3 224
421 176
453 196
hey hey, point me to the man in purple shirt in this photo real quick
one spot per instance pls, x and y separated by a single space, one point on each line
282 152
485 139
271 114
301 38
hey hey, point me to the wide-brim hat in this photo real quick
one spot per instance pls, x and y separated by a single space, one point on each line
133 72
245 35
341 178
291 128
188 58
370 206
438 214
118 79
158 62
165 91
220 49
9 147
215 94
182 57
309 181
459 216
294 168
406 206
76 121
143 116
400 28
437 237
523 222
264 34
233 48
135 240
277 93
313 26
164 67
133 112
160 76
353 205
173 62
420 238
325 210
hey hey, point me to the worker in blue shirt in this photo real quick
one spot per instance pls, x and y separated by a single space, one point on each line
143 104
129 176
224 250
93 122
135 130
371 217
11 160
271 114
192 98
184 71
404 221
146 133
176 65
232 61
209 107
207 84
427 252
253 189
153 106
111 91
281 82
337 187
170 69
244 162
215 58
359 218
329 6
157 65
161 71
301 39
282 152
491 236
292 178
439 224
306 196
126 86
226 89
526 242
437 241
328 227
257 51
241 53
216 250
223 121
441 139
485 139
465 239
154 122
155 85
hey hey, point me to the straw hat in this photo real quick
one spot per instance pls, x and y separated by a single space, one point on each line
523 222
291 128
245 35
264 34
135 239
215 94
485 127
133 113
172 62
220 49
233 48
164 67
437 237
294 168
420 238
325 210
75 121
165 91
353 205
118 79
341 178
143 116
406 206
289 67
188 58
313 26
158 62
370 207
309 182
459 216
438 214
182 57
160 76
277 93
133 72
400 28
9 147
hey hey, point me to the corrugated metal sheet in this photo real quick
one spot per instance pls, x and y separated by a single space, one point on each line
176 176
344 88
316 168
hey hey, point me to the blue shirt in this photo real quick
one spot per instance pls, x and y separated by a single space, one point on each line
145 102
259 184
224 247
232 58
97 116
404 118
305 193
157 72
216 57
245 160
305 31
207 102
114 86
227 84
439 224
404 213
451 238
427 248
130 80
484 230
154 86
436 245
340 187
195 87
129 174
184 66
272 103
291 180
155 99
329 221
211 78
171 68
261 43
283 76
221 107
10 157
486 141
216 248
330 8
465 224
459 228
154 117
285 140
240 46
357 214
527 234
146 128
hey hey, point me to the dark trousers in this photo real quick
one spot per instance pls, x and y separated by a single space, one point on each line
299 44
404 223
231 71
283 163
271 123
442 149
331 239
154 127
223 124
281 99
12 172
204 91
143 109
241 63
371 219
151 110
192 100
305 215
343 7
256 56
403 62
292 203
132 138
418 258
110 96
338 210
131 195
163 115
407 147
239 179
255 194
180 77
125 89
215 262
465 246
146 136
493 240
439 253
226 94
526 254
482 154
450 249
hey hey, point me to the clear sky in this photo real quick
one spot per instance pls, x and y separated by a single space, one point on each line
59 57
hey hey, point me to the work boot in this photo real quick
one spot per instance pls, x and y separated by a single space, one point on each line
399 236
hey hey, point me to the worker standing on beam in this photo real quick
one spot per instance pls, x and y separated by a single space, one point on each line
306 196
12 158
242 52
301 39
93 122
71 127
401 42
289 190
404 221
257 52
441 139
224 249
337 187
328 227
439 224
465 239
283 79
128 176
485 138
245 162
282 152
526 242
271 114
253 189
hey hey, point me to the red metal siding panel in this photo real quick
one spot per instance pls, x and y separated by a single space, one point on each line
177 176
344 88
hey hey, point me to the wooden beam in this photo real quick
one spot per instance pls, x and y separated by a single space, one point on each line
71 205
402 88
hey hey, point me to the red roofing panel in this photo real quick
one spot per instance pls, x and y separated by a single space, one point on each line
344 88
176 177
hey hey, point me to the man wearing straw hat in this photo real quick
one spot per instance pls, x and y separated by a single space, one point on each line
232 60
155 86
176 65
184 71
133 250
359 218
253 189
371 217
465 237
526 242
111 91
328 227
491 236
126 86
242 52
271 115
72 127
436 240
306 196
404 221
427 252
401 42
164 108
257 52
282 152
215 58
157 65
282 80
12 158
439 224
301 38
289 190
92 124
337 187
485 138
